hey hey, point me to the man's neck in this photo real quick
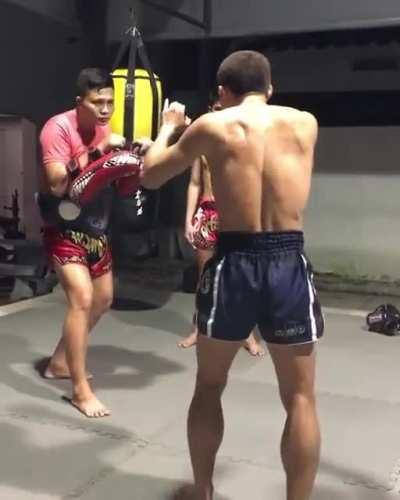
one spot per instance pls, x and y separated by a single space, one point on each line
253 98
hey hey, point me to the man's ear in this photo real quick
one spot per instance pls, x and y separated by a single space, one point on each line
78 100
270 92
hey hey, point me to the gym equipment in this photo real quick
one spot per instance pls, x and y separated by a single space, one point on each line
22 262
384 319
145 118
11 224
138 96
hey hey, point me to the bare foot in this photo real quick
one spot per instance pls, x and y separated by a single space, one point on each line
189 341
57 372
188 492
253 346
91 407
184 493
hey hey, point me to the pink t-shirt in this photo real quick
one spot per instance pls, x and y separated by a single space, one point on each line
61 141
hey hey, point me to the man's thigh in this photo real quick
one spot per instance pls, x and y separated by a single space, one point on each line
100 262
103 287
214 359
225 299
295 369
76 282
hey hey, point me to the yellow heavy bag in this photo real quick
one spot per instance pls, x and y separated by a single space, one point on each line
146 124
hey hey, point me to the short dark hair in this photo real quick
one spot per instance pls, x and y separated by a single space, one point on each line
245 71
91 79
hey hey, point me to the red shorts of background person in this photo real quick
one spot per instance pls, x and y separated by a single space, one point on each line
205 225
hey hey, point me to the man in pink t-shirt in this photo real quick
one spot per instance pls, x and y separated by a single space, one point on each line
77 246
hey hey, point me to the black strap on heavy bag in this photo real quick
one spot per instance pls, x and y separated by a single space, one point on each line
385 319
137 213
145 201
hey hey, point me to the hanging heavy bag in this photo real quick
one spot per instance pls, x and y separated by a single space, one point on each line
137 213
138 96
384 319
146 114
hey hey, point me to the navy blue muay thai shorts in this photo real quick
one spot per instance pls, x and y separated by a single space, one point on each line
259 279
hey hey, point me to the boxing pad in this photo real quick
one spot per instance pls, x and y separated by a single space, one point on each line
127 186
385 319
104 171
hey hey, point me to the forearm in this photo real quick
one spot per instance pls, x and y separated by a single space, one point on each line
156 169
57 183
164 161
59 189
158 147
193 194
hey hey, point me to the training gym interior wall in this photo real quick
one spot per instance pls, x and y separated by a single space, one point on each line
352 67
40 53
352 220
61 10
233 18
353 89
42 47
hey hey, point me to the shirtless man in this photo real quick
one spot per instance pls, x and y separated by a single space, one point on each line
201 231
75 238
261 159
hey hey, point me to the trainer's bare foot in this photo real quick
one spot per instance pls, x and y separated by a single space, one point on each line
253 346
53 371
189 341
90 407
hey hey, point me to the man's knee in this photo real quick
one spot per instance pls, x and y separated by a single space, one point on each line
298 401
105 304
101 304
81 300
210 384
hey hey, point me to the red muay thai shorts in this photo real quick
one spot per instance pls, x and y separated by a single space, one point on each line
205 223
75 247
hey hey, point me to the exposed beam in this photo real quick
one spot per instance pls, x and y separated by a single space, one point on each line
205 25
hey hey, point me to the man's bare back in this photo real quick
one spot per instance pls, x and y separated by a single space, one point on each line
261 160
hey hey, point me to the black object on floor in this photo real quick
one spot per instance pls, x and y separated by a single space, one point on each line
121 304
384 319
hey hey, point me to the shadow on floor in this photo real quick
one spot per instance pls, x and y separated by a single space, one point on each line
66 469
38 463
143 367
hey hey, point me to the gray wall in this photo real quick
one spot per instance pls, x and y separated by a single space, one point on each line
40 55
250 17
352 223
63 11
336 69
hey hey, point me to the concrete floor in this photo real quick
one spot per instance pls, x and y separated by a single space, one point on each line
49 451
